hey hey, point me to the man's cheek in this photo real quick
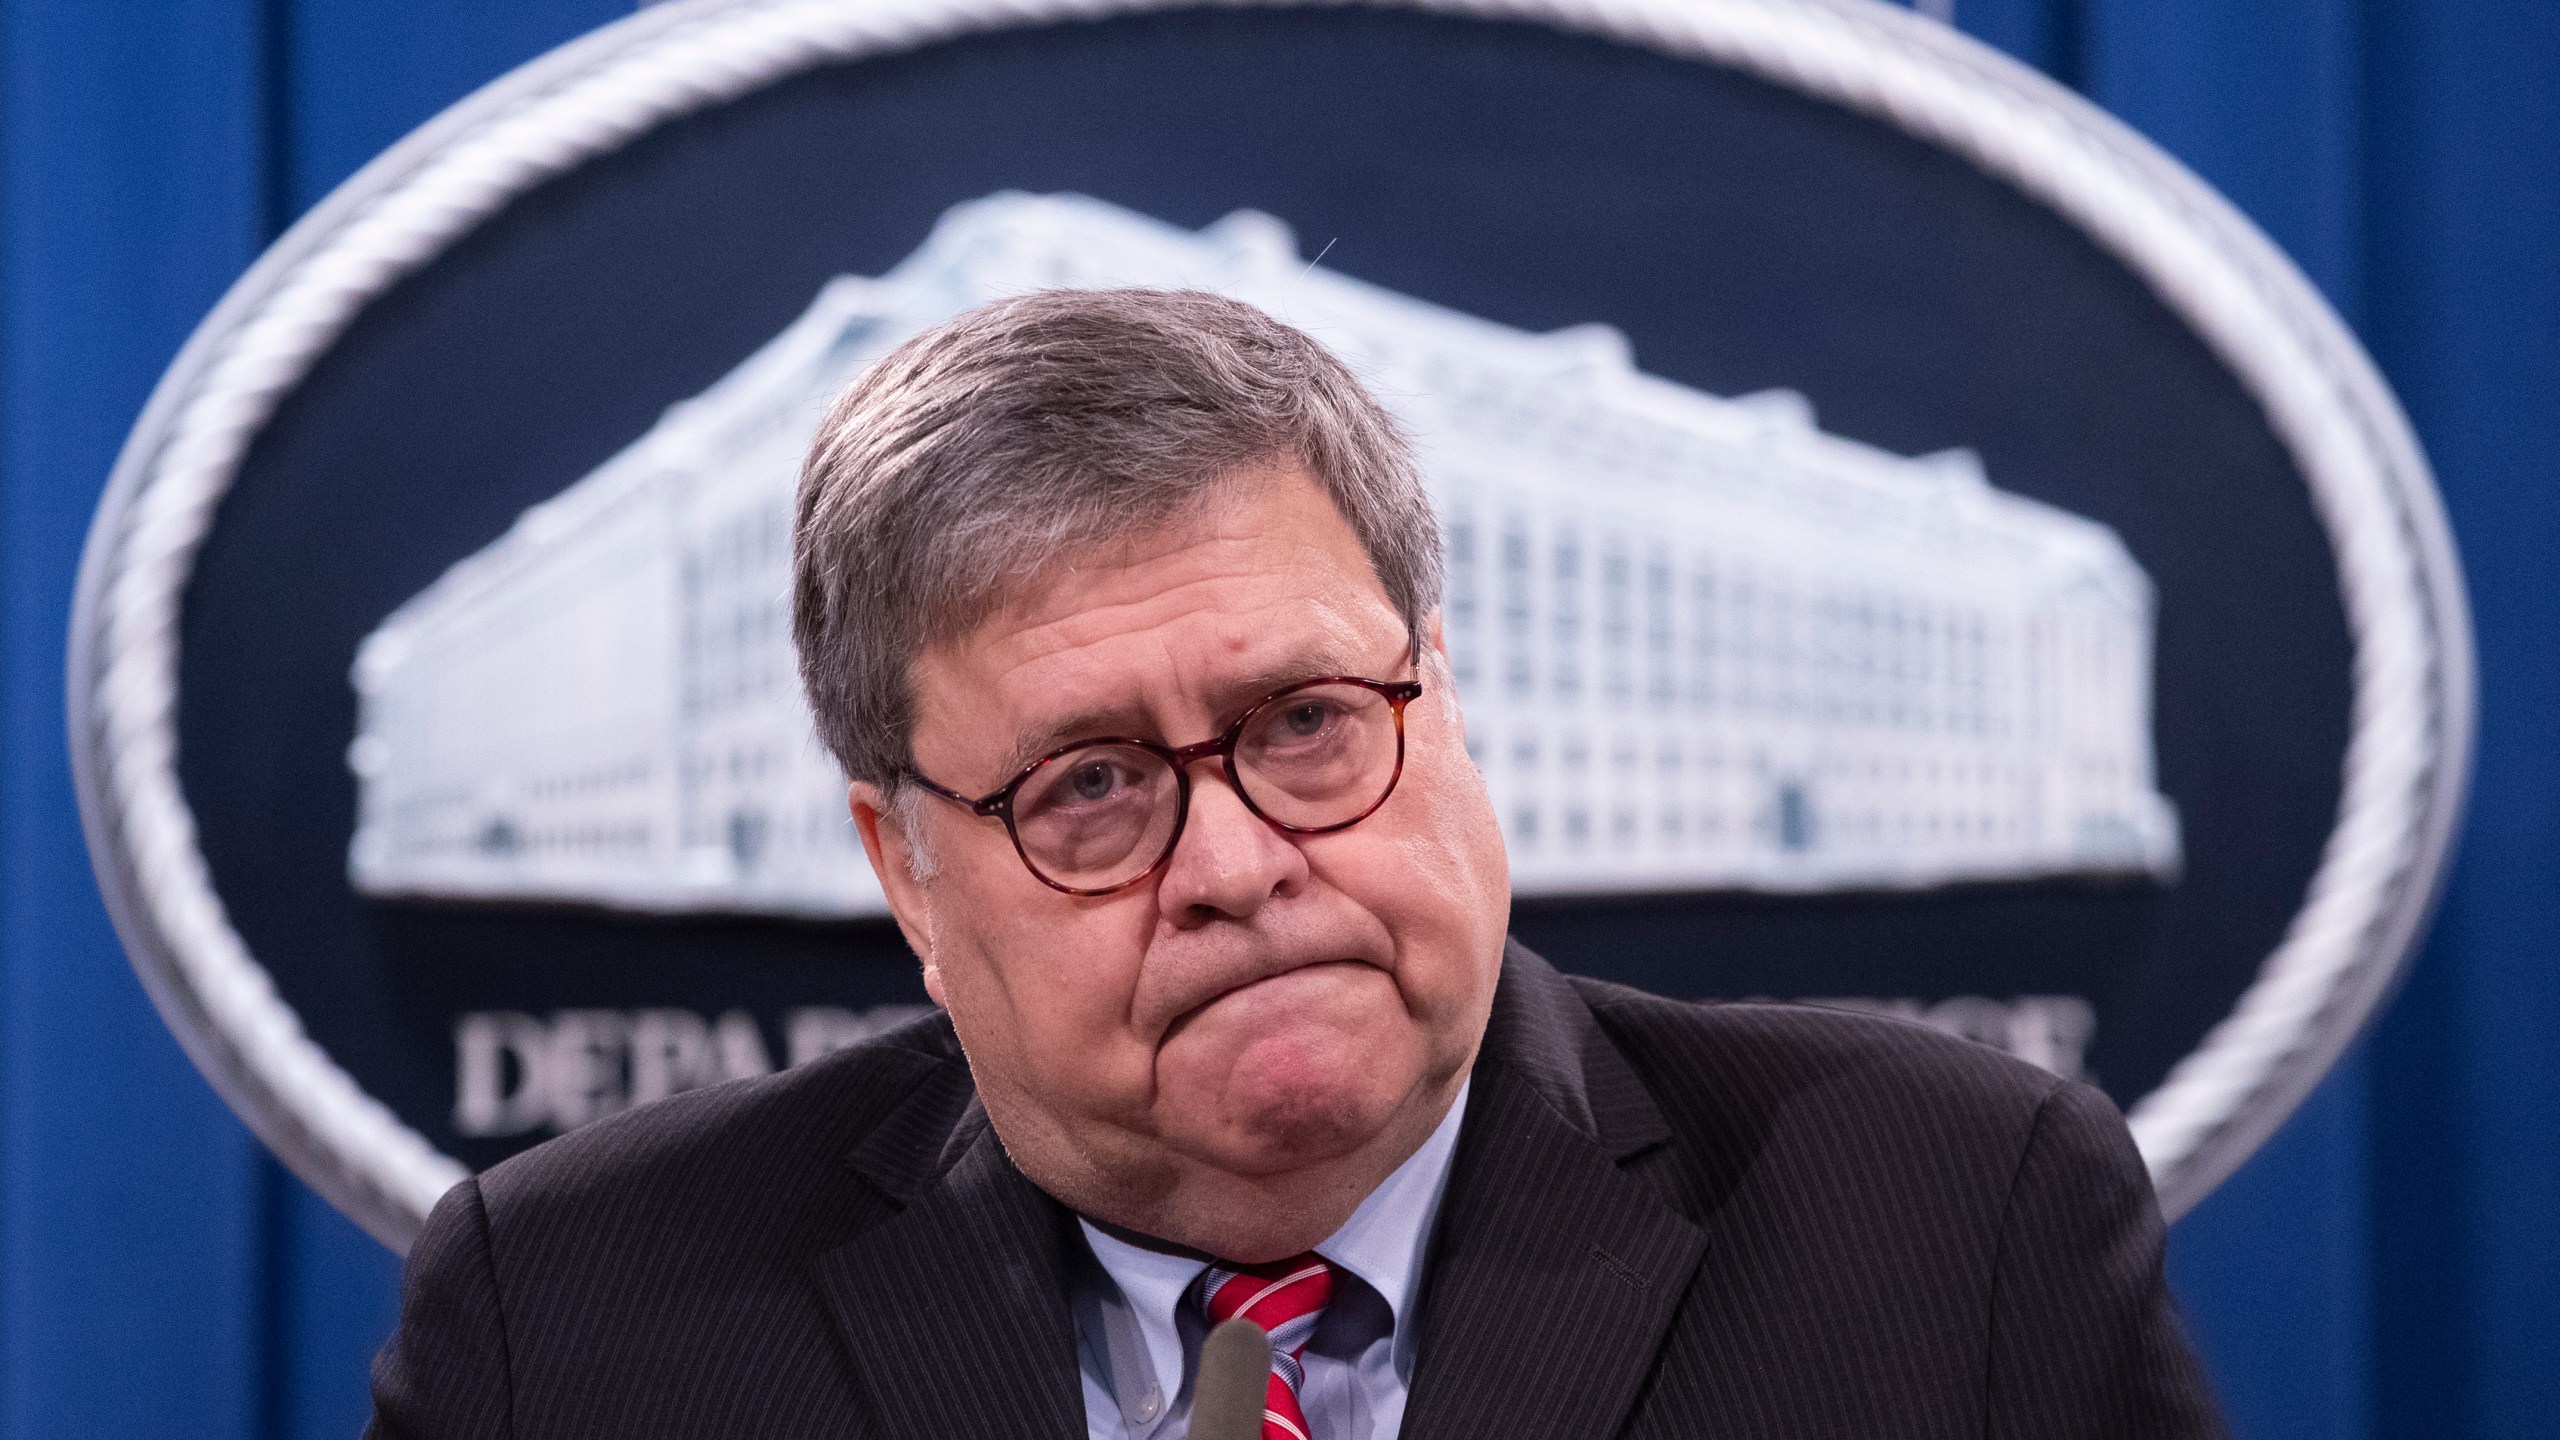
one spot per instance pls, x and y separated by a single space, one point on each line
1072 1009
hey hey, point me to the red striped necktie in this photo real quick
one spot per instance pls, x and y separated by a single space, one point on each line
1286 1298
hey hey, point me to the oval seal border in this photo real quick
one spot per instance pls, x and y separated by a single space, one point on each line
2407 759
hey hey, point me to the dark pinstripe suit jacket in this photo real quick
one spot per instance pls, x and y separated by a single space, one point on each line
1663 1219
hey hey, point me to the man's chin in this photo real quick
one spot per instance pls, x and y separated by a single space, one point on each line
1302 1130
1263 1124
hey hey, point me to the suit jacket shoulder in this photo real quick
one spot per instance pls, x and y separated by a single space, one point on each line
654 1273
1747 1086
783 1138
1908 1233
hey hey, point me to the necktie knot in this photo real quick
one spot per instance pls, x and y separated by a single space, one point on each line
1269 1295
1286 1298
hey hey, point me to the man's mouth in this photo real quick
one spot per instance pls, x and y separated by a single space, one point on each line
1261 976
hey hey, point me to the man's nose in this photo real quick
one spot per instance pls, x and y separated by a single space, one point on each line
1228 862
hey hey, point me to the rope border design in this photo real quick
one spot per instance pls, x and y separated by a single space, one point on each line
2407 760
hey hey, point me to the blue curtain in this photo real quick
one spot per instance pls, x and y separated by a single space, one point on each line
2388 1266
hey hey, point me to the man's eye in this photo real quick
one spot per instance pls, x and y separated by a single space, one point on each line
1306 720
1093 780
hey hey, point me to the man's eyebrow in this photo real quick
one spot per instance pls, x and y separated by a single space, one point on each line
1082 725
1234 694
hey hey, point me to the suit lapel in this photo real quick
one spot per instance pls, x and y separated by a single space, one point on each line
954 1311
1554 1272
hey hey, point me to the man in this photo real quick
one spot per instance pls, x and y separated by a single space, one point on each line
1119 609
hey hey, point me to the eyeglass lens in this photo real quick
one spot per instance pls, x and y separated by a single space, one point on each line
1309 759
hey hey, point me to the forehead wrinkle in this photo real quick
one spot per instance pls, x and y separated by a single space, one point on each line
1224 697
1086 625
1272 610
1087 594
1021 636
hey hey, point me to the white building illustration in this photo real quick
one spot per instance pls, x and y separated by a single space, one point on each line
1702 644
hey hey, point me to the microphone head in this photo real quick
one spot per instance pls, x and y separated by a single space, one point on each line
1235 1379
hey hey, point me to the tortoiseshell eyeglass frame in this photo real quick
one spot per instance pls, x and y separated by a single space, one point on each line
998 805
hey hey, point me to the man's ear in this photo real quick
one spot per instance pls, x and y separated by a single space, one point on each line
892 859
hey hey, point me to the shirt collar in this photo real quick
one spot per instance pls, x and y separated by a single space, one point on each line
1382 1243
1384 1240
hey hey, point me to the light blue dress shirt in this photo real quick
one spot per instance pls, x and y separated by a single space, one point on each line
1133 1326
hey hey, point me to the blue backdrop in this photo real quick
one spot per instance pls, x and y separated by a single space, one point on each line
2389 1265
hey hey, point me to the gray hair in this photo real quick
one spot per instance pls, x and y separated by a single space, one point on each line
994 444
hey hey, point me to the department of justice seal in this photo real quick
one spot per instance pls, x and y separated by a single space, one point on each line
1911 545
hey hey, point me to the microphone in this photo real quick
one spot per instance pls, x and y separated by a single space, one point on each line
1235 1381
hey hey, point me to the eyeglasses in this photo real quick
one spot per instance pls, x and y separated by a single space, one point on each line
1101 815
